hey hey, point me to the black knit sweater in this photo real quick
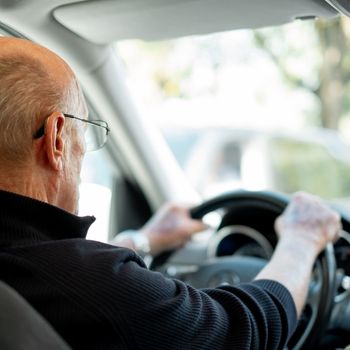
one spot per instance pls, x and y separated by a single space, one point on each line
99 296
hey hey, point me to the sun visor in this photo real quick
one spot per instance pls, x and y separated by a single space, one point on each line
105 21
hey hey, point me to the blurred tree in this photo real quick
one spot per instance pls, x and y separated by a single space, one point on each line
332 69
335 70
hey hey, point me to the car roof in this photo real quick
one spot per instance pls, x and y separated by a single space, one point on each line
106 21
81 31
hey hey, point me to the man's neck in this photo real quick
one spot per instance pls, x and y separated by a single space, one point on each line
29 183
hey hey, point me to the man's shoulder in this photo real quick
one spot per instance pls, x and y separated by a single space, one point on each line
76 253
95 250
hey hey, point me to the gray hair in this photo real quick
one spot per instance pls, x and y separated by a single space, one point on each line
28 94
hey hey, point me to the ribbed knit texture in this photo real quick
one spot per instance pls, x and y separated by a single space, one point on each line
99 296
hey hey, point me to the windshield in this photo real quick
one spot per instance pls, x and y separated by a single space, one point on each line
254 109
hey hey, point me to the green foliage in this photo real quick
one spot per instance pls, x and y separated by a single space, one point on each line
308 167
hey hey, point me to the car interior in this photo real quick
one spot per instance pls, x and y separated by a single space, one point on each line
143 165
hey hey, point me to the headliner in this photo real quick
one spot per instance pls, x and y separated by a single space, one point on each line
105 21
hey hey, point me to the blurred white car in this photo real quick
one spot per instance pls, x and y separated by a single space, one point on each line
217 160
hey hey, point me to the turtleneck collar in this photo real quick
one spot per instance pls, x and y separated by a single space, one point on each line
24 219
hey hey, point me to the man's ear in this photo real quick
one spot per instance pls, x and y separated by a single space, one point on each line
54 145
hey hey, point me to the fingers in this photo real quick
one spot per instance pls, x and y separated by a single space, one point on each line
180 218
171 227
309 217
193 226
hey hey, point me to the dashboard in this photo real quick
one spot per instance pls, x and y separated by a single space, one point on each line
239 240
242 240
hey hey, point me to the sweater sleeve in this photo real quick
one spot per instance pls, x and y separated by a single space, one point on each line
161 313
130 307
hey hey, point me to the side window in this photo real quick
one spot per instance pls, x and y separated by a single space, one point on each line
116 201
96 193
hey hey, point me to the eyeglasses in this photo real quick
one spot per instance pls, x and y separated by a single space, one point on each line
96 132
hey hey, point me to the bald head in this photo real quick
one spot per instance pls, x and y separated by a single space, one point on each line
55 66
34 83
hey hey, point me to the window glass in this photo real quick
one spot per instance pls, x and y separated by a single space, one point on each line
95 193
255 109
310 166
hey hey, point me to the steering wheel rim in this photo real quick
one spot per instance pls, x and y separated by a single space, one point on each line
321 298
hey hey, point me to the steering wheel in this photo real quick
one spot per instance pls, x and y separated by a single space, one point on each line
242 207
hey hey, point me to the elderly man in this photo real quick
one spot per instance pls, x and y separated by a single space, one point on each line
99 296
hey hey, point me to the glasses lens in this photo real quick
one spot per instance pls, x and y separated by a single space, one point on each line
95 136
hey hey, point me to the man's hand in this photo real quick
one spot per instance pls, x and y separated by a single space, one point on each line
171 227
308 220
304 228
